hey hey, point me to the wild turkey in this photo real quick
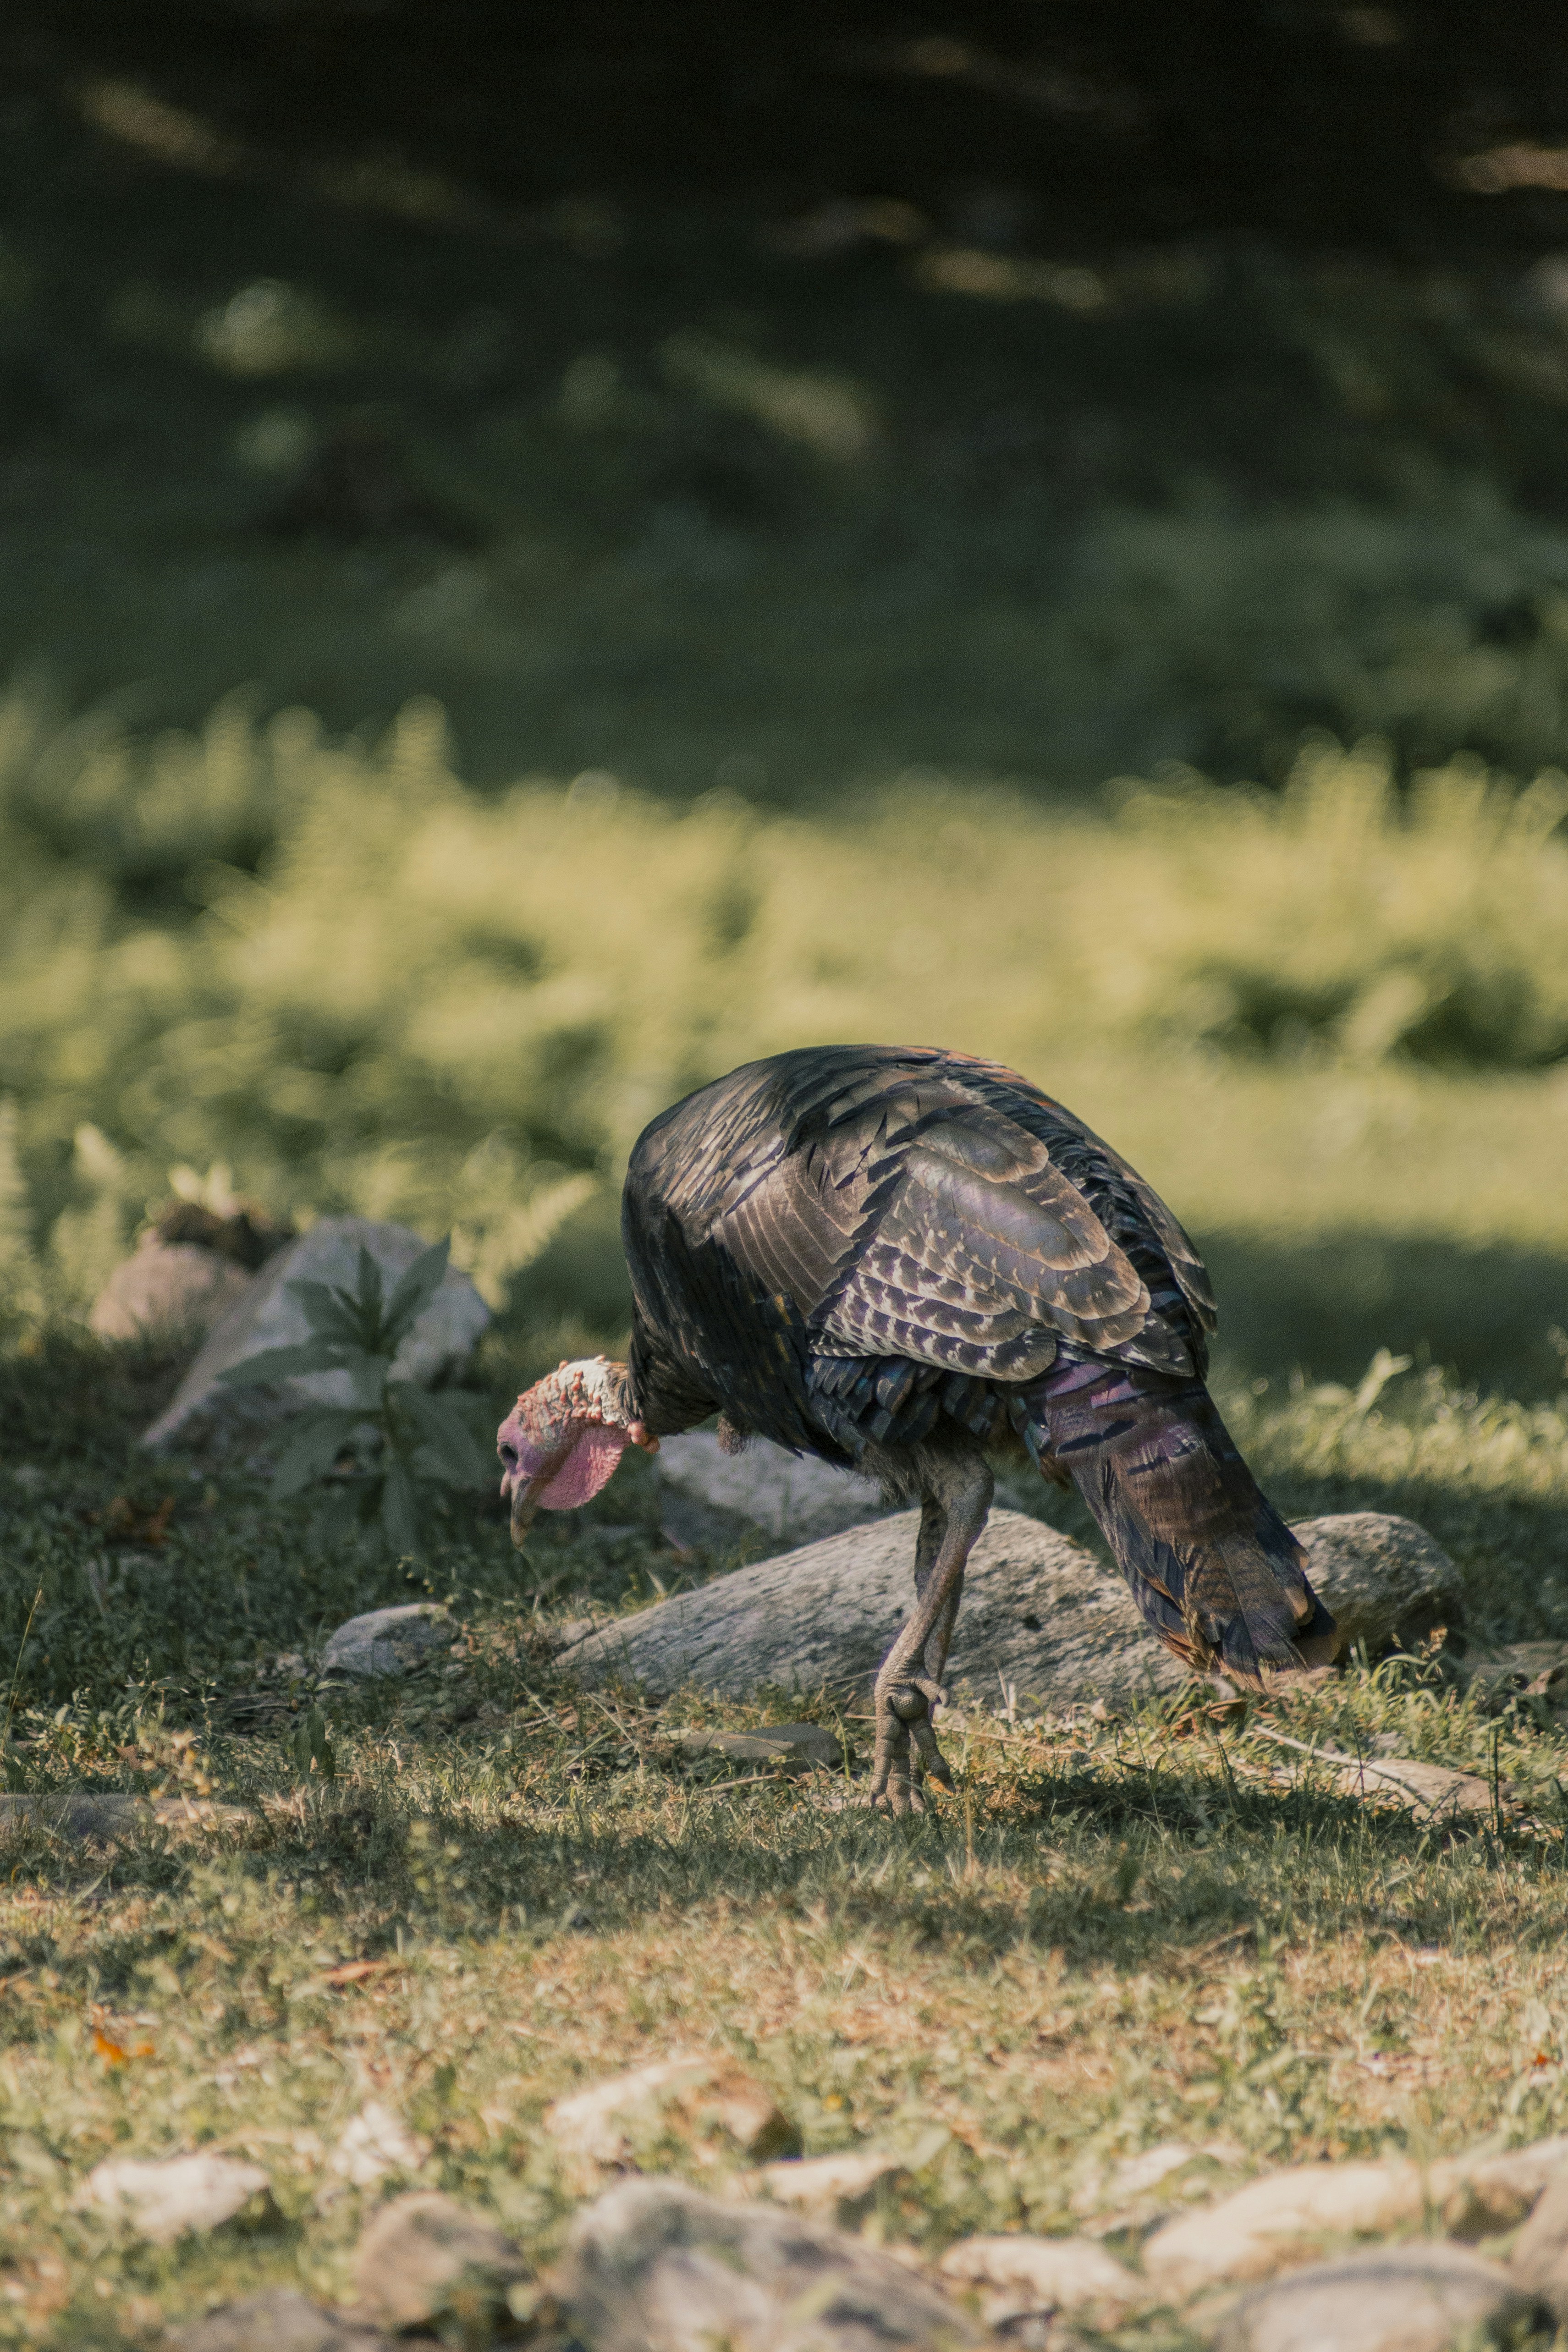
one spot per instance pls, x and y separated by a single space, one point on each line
900 1260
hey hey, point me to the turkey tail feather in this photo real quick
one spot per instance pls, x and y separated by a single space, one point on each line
1210 1562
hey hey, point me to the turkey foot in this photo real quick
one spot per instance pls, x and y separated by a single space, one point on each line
907 1748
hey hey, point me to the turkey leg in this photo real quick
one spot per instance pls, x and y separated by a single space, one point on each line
951 1519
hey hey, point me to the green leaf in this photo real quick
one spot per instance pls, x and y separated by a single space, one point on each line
335 1313
449 1450
397 1510
368 1374
415 1292
314 1449
339 1517
281 1364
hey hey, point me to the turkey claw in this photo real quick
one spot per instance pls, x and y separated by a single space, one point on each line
907 1750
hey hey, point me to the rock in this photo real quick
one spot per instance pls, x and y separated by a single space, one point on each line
1022 2275
1540 2260
270 1315
106 1813
280 2320
164 2200
655 2267
1038 1610
1133 2177
720 1500
614 2123
388 1641
1434 1791
841 2189
1387 1583
1483 2195
1040 1613
168 1290
373 2144
801 1745
423 2257
1276 2219
1423 2296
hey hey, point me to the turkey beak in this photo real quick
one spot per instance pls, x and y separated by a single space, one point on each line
525 1498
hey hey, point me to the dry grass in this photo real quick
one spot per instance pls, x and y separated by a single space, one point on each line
1121 1933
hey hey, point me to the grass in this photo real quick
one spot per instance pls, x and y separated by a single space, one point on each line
1122 1932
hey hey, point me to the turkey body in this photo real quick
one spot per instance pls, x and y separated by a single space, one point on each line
898 1258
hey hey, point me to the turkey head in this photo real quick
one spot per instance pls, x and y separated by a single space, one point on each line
562 1438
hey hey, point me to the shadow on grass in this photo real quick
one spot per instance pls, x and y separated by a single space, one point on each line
1327 1304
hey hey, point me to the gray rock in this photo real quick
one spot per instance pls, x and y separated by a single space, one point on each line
1540 2260
280 2320
168 1290
1421 2296
1040 1613
1385 1579
269 1315
763 1497
388 1641
104 1813
423 2257
655 2267
795 1745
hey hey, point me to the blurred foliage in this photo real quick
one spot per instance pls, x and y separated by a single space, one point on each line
371 987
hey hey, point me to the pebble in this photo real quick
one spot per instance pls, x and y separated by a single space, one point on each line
797 1744
426 2258
655 2267
1422 2296
842 2188
164 2199
388 1641
373 2144
104 1814
1021 2275
611 2123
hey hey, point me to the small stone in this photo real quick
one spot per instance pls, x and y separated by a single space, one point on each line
164 2200
375 2144
104 1813
842 2189
168 1291
1134 2176
1022 2275
423 2257
800 1745
1422 2296
388 1641
269 1315
611 2123
1539 2261
1434 1791
655 2267
280 2320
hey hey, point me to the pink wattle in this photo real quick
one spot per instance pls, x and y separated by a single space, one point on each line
589 1466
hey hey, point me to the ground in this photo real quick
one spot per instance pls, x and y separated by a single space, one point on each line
1118 1933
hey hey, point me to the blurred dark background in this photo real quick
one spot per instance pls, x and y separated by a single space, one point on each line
1375 129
